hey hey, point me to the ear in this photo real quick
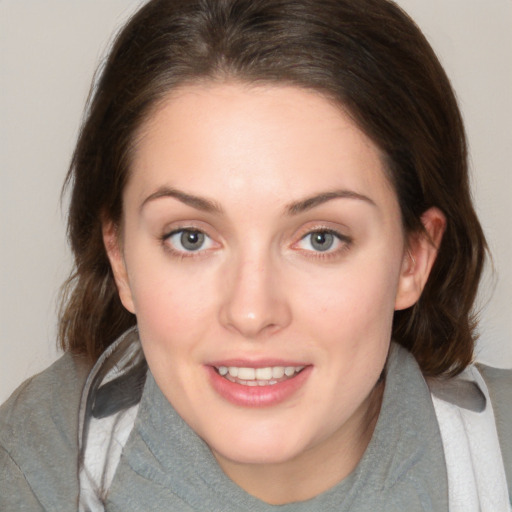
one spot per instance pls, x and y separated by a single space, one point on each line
419 258
112 242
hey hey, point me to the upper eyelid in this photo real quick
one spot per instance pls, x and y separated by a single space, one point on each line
300 233
334 232
185 226
322 226
345 239
174 231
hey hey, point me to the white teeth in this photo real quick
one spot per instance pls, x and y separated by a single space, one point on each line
245 373
259 376
289 371
277 372
264 373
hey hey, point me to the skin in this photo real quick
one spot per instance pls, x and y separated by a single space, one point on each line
239 163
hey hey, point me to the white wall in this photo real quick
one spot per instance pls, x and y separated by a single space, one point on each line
48 52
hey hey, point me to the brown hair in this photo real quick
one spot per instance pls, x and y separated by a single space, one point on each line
368 56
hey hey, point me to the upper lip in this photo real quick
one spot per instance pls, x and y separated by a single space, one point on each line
259 363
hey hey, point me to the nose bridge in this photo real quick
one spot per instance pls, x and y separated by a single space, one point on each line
253 303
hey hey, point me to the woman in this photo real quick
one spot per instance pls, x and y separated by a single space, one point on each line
264 195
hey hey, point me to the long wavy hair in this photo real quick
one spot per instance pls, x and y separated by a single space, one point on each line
366 55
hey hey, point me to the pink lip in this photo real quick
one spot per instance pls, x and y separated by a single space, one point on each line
257 363
257 396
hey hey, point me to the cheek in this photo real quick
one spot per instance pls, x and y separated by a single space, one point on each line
348 322
171 305
173 302
172 318
352 301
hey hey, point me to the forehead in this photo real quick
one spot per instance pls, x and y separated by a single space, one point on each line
255 141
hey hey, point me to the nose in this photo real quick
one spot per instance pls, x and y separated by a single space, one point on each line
254 301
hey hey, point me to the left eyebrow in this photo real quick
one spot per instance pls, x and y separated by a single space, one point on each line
318 199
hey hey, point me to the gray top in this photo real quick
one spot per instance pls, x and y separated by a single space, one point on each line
165 466
38 440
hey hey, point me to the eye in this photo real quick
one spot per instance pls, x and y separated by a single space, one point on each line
188 240
322 241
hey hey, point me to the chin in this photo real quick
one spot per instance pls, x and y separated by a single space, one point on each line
264 448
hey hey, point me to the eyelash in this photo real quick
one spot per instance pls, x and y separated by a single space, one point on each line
343 240
180 254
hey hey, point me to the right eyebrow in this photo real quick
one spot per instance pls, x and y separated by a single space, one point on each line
200 203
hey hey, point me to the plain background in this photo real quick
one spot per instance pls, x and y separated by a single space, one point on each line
48 53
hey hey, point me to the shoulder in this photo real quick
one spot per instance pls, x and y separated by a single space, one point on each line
38 436
50 398
499 383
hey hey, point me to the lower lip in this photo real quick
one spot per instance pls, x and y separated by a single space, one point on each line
257 396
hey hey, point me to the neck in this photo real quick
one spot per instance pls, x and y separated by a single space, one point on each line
315 470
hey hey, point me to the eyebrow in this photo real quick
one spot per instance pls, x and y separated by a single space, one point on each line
210 206
318 199
200 203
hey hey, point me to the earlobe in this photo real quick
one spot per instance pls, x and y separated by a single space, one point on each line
112 243
419 258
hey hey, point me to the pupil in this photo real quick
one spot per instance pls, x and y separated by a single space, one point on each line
192 240
322 241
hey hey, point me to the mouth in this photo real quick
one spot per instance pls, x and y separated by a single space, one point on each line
258 386
266 376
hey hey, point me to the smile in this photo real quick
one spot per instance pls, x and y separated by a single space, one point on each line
264 386
267 376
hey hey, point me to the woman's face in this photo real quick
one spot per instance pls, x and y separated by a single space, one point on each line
262 252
